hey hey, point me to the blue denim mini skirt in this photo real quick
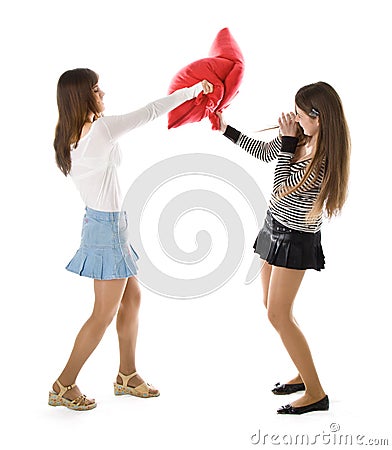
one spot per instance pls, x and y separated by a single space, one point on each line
105 252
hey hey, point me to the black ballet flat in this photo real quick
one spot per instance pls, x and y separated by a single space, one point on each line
283 389
321 405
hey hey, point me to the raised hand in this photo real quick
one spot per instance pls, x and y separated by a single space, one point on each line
208 87
287 124
223 124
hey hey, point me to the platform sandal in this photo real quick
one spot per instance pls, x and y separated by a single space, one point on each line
143 390
77 404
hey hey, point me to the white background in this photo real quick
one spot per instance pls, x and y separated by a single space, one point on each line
214 359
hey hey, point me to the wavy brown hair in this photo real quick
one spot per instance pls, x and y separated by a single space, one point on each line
75 101
333 147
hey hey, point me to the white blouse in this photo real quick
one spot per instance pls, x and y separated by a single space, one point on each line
98 154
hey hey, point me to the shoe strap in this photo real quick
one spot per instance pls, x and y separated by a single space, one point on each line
64 389
80 401
126 378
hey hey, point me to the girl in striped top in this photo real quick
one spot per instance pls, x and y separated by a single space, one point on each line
311 178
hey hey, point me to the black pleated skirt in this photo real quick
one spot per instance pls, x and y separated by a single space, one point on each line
284 247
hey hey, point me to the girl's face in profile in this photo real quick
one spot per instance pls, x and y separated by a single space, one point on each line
310 125
98 94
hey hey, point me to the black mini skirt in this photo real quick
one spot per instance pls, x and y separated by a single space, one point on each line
284 247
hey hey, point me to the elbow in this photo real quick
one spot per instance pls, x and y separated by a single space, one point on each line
153 112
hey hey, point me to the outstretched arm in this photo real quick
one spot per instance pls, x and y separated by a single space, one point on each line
119 125
265 151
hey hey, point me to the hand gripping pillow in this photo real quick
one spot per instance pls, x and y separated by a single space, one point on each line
224 68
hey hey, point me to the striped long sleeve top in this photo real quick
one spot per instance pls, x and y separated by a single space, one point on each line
292 209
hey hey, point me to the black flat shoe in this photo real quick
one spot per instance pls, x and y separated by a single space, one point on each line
321 405
283 389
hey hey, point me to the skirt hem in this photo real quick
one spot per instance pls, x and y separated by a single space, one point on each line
88 275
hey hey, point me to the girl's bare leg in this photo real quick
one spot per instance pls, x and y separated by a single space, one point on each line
127 330
108 294
283 287
266 270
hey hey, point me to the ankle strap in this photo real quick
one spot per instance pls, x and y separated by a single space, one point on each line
126 378
64 389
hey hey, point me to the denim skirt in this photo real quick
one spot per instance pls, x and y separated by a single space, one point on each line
284 247
105 252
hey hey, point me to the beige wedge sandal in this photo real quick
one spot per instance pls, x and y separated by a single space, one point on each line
78 404
143 390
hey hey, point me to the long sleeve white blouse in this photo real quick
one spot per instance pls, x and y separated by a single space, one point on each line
97 155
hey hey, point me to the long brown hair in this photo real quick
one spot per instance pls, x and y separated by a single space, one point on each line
75 101
333 147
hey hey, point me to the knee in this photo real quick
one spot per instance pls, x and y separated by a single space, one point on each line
102 319
131 300
273 317
278 319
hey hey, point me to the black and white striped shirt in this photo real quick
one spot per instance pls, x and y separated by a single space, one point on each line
292 209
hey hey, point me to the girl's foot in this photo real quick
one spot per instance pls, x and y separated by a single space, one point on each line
295 380
294 408
134 385
307 399
70 397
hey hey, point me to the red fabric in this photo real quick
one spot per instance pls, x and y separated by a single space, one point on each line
224 68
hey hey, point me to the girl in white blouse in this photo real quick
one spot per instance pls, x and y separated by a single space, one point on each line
86 148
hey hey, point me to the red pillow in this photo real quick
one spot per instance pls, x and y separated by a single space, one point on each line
224 68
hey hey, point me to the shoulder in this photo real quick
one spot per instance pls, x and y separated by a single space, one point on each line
98 130
102 124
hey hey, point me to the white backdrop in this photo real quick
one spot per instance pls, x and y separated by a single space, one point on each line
214 359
